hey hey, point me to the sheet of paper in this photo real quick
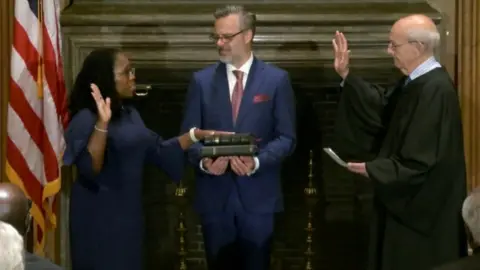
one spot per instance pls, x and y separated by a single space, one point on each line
335 157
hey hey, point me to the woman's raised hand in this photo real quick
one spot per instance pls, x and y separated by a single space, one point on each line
103 106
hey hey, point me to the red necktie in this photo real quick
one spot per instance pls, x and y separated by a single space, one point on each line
237 94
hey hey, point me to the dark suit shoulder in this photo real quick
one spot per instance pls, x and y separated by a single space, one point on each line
34 262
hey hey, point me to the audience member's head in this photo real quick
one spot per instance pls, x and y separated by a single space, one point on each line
14 207
11 248
471 216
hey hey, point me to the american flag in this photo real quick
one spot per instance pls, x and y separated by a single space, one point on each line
37 112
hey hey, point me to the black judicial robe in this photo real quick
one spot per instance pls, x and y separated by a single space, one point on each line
410 137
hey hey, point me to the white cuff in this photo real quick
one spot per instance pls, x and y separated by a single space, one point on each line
202 168
192 134
257 165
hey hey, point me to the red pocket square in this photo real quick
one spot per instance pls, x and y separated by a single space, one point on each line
260 98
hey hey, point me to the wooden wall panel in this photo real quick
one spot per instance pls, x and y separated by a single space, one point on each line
448 51
6 23
468 80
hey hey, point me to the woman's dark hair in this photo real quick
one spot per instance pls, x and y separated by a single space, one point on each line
97 68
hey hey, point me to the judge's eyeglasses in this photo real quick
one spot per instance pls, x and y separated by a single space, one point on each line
394 45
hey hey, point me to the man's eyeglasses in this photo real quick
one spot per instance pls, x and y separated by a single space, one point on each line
226 37
394 45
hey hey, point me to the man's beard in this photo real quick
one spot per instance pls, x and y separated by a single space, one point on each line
226 59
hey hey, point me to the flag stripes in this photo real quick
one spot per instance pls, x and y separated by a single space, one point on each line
37 110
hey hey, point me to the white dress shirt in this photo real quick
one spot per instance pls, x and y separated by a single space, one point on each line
232 79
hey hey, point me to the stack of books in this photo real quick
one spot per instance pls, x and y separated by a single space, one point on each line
239 144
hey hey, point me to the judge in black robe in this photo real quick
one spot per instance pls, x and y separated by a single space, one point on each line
407 140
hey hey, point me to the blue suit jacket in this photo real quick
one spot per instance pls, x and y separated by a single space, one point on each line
271 120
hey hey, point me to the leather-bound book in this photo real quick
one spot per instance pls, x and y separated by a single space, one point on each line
228 150
239 144
229 139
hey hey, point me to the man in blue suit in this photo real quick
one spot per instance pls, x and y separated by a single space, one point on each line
237 197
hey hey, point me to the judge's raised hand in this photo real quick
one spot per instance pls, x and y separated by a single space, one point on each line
342 54
359 168
103 106
242 165
216 167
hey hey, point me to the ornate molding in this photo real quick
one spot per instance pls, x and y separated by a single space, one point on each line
167 35
268 12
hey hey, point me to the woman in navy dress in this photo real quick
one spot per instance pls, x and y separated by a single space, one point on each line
109 144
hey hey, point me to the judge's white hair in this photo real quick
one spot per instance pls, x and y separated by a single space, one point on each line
11 248
471 214
429 38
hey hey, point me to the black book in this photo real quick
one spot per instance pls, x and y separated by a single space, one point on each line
229 139
228 150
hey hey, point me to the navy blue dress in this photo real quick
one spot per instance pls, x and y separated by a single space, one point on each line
106 217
